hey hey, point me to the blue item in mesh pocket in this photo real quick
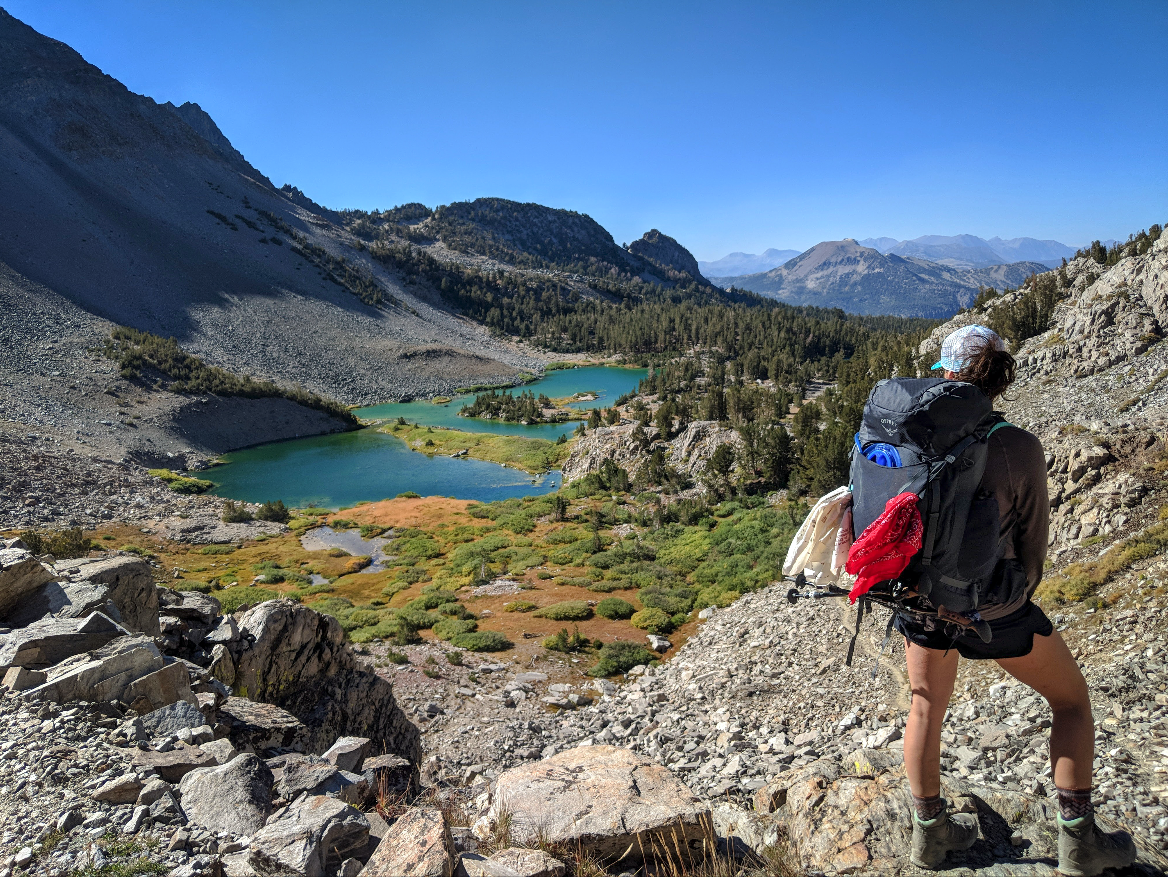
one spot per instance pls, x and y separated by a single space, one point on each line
880 453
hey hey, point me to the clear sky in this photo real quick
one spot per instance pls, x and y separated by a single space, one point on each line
731 126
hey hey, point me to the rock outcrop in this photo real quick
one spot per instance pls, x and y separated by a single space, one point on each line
297 659
688 452
667 254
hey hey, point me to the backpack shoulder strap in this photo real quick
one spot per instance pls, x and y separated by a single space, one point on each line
1001 422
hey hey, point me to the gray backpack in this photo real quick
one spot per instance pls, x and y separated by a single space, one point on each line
938 429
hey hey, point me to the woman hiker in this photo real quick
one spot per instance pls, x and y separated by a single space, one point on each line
1024 644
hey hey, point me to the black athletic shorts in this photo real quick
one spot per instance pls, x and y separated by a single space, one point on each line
1013 635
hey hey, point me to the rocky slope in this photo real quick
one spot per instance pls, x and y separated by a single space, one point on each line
144 215
862 280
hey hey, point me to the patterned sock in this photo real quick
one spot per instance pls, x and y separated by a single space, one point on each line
929 808
1074 803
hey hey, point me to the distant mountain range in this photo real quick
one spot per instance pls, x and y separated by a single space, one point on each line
969 251
746 263
860 279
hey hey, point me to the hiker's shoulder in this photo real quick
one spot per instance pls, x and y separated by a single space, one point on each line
1016 440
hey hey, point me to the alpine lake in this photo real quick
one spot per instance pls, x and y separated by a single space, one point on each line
371 464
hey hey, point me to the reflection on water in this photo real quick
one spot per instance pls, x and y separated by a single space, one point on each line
324 538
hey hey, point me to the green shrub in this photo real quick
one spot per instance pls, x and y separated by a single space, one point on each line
217 549
563 536
517 523
274 511
417 619
396 657
615 609
311 591
364 618
408 494
448 628
236 513
231 599
520 606
620 657
343 524
454 658
315 512
609 585
59 543
668 600
182 483
652 620
369 531
188 585
482 641
431 600
573 582
421 547
569 610
565 642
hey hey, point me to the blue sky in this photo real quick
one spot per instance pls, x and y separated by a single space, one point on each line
729 126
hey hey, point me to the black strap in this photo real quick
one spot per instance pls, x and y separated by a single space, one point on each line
856 633
883 644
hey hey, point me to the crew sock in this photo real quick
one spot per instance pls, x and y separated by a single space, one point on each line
928 808
1074 803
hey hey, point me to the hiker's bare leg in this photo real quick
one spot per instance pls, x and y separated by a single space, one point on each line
931 674
1051 671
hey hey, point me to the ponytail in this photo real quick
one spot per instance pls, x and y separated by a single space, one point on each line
992 371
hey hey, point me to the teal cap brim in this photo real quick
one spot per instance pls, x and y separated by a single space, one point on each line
937 364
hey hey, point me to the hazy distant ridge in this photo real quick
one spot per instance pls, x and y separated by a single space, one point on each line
970 251
859 279
746 263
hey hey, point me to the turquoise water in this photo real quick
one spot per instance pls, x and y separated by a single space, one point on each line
347 468
340 470
609 383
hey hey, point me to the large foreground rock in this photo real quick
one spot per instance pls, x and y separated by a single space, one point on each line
104 674
52 640
129 584
20 575
172 766
297 659
235 797
604 799
308 838
63 600
418 844
262 727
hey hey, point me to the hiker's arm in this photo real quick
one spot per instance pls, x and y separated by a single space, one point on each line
1028 468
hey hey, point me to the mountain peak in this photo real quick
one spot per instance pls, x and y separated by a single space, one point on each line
666 253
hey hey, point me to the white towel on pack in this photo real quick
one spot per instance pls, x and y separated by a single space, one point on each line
820 548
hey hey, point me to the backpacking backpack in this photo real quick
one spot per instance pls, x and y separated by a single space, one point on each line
930 435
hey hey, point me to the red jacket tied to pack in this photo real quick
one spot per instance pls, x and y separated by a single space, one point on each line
886 545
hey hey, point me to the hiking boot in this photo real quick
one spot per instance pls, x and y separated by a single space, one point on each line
1085 851
933 839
